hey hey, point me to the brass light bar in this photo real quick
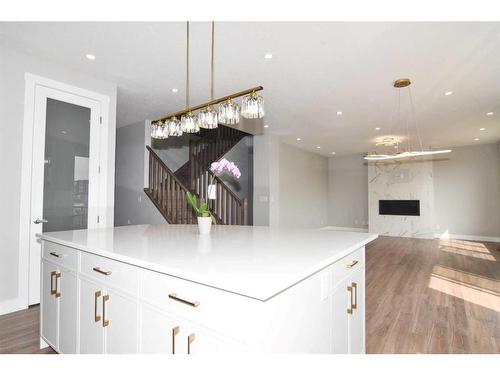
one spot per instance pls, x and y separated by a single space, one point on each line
211 102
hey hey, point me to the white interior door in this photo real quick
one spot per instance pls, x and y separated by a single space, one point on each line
65 170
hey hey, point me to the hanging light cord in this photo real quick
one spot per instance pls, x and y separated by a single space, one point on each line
187 65
415 117
212 70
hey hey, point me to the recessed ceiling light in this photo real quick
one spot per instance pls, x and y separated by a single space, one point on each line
489 114
339 113
476 139
268 56
299 139
64 132
90 56
448 93
333 152
318 147
482 129
377 128
175 90
266 126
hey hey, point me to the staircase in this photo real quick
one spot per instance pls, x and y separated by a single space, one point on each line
167 189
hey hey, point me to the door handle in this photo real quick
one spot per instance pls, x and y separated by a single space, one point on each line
352 264
54 254
40 221
190 340
52 290
349 289
175 331
105 299
96 296
58 276
355 304
182 300
98 269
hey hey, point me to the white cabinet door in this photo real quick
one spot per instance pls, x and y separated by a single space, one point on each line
49 304
121 315
197 340
160 333
357 318
91 329
68 303
340 325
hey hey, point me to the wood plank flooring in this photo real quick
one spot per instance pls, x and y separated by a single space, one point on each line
432 296
423 296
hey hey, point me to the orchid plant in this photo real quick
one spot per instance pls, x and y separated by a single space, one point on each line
218 167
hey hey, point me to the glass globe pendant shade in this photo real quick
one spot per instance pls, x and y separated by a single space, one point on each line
208 118
174 127
252 106
159 130
229 113
189 123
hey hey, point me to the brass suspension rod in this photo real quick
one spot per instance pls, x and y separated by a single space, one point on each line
211 102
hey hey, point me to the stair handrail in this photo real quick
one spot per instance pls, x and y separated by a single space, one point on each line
162 163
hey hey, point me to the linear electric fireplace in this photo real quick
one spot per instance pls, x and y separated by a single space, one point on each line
399 207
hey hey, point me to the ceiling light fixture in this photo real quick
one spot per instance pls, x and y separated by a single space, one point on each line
228 112
266 126
476 139
175 90
90 56
299 139
333 152
377 128
448 93
395 142
268 56
482 129
318 147
489 114
339 113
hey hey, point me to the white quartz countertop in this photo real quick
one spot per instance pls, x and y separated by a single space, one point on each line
257 262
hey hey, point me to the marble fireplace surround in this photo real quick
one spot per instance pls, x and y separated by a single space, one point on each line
412 180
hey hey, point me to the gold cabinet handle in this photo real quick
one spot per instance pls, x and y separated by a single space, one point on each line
349 310
54 254
190 340
352 264
52 290
98 269
96 297
58 276
355 304
105 299
175 331
178 299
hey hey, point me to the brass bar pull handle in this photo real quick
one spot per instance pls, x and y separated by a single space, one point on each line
98 269
175 331
105 299
178 299
54 254
58 276
190 340
355 304
96 297
349 310
352 264
52 290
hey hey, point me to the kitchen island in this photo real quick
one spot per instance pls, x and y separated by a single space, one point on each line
167 289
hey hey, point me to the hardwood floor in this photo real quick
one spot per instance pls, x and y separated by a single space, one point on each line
432 296
423 296
20 332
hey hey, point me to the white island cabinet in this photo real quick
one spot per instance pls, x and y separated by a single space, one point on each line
167 289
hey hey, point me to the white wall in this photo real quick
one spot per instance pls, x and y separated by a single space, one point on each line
348 191
13 66
303 187
466 188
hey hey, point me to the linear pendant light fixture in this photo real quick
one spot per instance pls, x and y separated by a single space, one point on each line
409 153
228 112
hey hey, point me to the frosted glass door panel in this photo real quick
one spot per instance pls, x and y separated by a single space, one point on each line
66 168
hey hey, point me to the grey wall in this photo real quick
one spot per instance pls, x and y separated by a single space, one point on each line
466 190
348 191
13 66
303 187
132 205
173 151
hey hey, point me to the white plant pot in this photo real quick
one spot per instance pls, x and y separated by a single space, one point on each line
204 224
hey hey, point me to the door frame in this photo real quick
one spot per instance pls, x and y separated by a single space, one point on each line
106 156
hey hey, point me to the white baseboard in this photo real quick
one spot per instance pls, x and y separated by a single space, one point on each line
12 305
346 229
452 236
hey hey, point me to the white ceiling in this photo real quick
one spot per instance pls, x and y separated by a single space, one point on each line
317 69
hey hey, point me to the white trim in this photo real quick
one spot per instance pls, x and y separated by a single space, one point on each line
106 201
346 229
467 237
